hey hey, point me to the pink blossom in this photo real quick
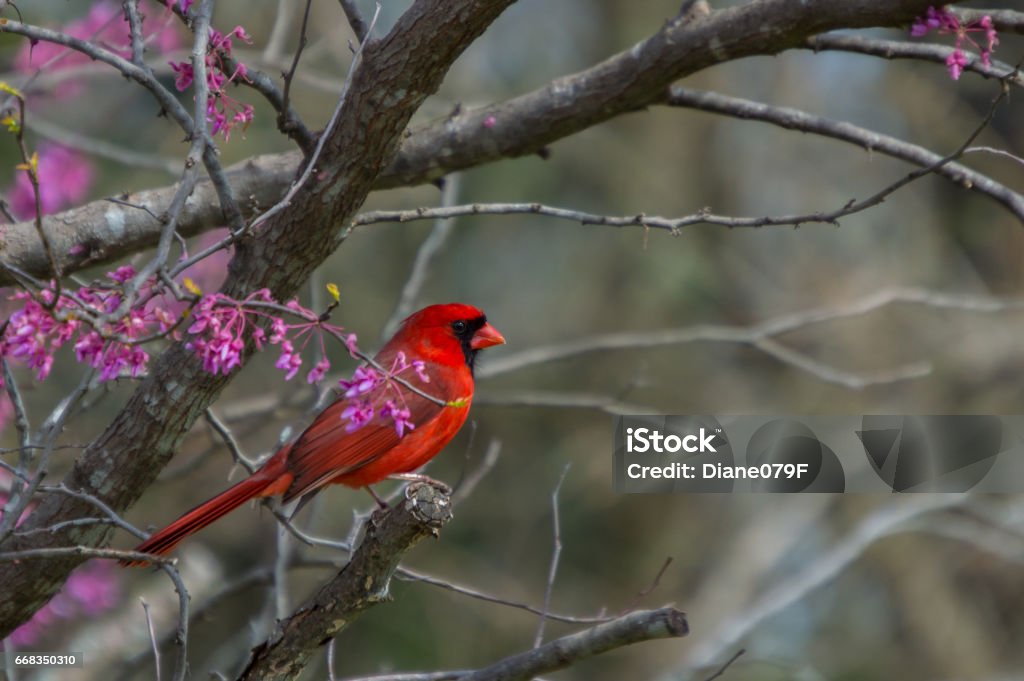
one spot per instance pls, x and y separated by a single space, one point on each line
945 22
400 415
122 274
278 329
350 344
421 370
184 75
33 334
65 177
955 62
318 372
358 414
289 361
363 381
374 392
223 112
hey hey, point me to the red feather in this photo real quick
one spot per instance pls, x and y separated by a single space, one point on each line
446 338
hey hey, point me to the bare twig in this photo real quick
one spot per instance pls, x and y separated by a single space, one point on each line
229 439
556 554
288 120
86 551
152 637
639 626
996 152
355 20
282 119
181 633
131 13
726 665
415 576
17 497
650 588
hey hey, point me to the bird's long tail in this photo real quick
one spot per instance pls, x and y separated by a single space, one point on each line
269 480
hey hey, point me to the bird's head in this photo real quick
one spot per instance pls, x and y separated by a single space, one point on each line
448 334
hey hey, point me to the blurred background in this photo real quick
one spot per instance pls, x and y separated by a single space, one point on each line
878 587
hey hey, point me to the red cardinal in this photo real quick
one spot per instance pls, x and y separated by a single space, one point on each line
446 339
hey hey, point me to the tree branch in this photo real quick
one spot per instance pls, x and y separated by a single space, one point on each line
361 584
626 82
643 625
898 49
355 19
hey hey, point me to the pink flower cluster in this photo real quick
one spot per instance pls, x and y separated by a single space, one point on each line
43 325
222 111
368 396
218 333
946 23
219 327
221 324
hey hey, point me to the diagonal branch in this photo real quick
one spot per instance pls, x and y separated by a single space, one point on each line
361 584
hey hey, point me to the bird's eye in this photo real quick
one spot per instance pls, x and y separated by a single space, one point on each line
459 327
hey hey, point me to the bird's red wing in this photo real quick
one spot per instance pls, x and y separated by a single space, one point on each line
326 450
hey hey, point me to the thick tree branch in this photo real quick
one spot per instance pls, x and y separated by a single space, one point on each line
629 81
103 231
524 125
360 585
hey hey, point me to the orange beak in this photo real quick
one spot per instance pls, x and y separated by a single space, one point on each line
485 337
